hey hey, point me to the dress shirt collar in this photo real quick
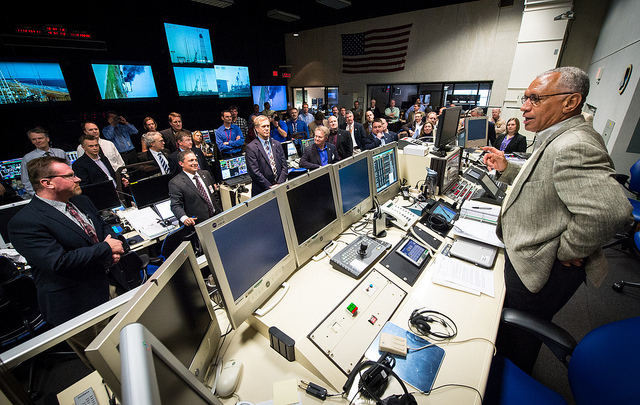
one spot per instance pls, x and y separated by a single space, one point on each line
542 136
264 142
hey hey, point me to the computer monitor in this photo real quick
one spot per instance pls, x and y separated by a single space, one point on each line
233 81
175 306
103 195
250 253
32 82
151 190
72 156
353 178
475 132
151 374
163 208
384 166
119 81
276 96
188 45
447 131
312 207
7 212
290 150
233 167
306 142
195 81
10 169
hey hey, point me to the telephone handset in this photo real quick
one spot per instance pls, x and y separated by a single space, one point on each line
398 215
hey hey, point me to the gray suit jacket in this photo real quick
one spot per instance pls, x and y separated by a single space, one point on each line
565 204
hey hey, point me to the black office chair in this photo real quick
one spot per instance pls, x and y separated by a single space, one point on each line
171 243
133 268
8 270
631 239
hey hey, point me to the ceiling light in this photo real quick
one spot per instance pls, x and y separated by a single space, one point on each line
216 3
337 4
282 16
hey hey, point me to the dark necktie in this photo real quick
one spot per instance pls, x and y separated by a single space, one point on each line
204 194
163 163
47 153
88 228
272 161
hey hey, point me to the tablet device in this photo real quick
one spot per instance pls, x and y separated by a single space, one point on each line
413 251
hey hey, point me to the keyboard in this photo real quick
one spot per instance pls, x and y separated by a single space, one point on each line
235 181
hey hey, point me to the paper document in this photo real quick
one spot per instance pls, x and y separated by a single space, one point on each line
480 211
147 223
453 272
480 231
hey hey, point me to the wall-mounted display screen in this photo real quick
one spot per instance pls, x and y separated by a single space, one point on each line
195 81
233 81
124 81
276 96
25 82
189 44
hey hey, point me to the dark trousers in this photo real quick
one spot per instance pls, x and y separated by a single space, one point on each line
517 345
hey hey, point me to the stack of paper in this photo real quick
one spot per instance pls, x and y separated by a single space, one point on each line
147 223
478 222
462 276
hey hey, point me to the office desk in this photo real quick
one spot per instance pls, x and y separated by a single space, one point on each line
316 288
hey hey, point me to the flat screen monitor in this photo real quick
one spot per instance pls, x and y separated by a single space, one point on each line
10 169
195 81
116 82
312 208
354 183
475 132
276 96
163 209
175 306
151 374
233 81
103 195
447 131
31 82
384 166
290 150
250 253
72 156
188 45
306 142
7 212
151 190
233 167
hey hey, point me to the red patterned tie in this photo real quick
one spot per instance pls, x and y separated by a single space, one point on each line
88 228
204 195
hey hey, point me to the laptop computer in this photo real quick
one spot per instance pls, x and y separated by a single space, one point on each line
163 208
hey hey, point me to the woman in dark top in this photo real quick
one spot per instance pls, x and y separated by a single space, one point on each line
511 141
427 131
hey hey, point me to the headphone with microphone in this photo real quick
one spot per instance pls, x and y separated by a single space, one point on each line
421 320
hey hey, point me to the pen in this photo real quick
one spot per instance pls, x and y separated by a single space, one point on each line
481 208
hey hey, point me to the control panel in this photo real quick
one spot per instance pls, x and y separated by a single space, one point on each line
346 333
359 255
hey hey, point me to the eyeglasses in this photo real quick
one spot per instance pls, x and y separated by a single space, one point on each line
536 99
64 176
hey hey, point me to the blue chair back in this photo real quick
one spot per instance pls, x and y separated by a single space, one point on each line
634 180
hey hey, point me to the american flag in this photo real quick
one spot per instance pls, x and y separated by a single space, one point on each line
377 51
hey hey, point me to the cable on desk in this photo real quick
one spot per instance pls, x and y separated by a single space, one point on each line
495 351
454 385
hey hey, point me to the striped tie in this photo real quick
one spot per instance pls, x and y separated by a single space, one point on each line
272 161
88 228
204 195
163 162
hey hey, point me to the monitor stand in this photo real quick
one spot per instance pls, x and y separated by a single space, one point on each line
441 152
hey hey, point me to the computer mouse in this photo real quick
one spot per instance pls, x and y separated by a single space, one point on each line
229 377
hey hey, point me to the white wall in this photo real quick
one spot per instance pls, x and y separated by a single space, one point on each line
473 41
618 46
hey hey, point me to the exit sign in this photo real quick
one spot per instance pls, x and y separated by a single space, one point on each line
275 73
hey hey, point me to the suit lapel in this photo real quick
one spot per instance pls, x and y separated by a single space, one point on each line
59 217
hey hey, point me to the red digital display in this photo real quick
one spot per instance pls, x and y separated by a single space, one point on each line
275 73
53 31
286 75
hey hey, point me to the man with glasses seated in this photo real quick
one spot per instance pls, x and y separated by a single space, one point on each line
69 247
564 205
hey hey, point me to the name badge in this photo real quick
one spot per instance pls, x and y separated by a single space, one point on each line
211 189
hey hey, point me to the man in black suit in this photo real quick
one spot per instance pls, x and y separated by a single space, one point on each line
259 165
377 137
156 152
192 192
169 134
374 109
185 142
321 153
356 130
67 244
340 138
94 167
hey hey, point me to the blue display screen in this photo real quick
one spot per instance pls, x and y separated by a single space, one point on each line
354 184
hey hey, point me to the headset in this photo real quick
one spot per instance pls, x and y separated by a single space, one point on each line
420 320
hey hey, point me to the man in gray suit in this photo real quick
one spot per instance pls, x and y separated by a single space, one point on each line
563 206
265 173
192 192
